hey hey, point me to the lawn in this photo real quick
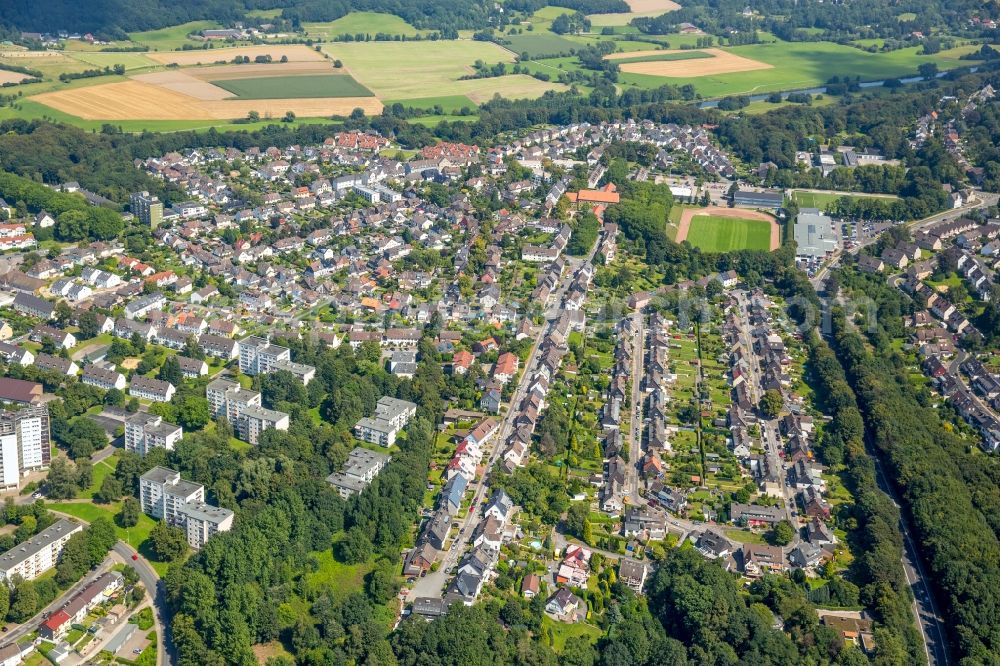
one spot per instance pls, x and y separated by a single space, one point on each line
803 65
172 38
679 55
722 234
562 631
133 536
362 23
541 44
415 70
746 536
101 470
293 87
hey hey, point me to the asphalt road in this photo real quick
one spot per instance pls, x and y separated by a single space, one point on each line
151 581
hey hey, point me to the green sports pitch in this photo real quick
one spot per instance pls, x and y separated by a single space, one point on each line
722 234
295 87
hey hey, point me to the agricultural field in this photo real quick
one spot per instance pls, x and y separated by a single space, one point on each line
294 53
789 66
666 56
538 45
675 64
405 71
11 77
130 61
713 233
294 87
638 7
362 23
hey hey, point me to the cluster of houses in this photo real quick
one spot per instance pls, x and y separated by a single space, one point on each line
478 565
614 414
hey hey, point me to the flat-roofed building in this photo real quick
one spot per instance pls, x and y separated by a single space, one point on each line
391 415
258 355
255 420
32 558
815 234
202 521
164 495
144 432
361 467
30 426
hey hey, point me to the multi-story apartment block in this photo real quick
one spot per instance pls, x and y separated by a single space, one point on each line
147 208
38 554
242 408
391 415
202 521
255 420
164 495
144 432
361 467
258 355
30 426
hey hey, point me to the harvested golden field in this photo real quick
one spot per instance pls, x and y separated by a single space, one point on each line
256 71
137 100
196 81
295 53
642 6
721 62
11 77
181 82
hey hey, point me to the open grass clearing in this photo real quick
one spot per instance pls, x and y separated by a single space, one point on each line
563 631
293 87
362 23
448 103
639 8
174 37
130 61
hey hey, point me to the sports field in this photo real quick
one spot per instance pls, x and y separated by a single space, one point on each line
823 200
294 87
716 229
722 234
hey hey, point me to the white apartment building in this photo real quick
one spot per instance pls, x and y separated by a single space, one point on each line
391 415
38 554
164 495
31 427
242 408
258 355
361 467
155 390
203 521
144 432
256 420
10 468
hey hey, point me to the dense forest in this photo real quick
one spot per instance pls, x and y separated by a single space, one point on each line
815 19
949 488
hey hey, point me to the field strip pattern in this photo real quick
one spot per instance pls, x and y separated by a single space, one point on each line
721 62
135 100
